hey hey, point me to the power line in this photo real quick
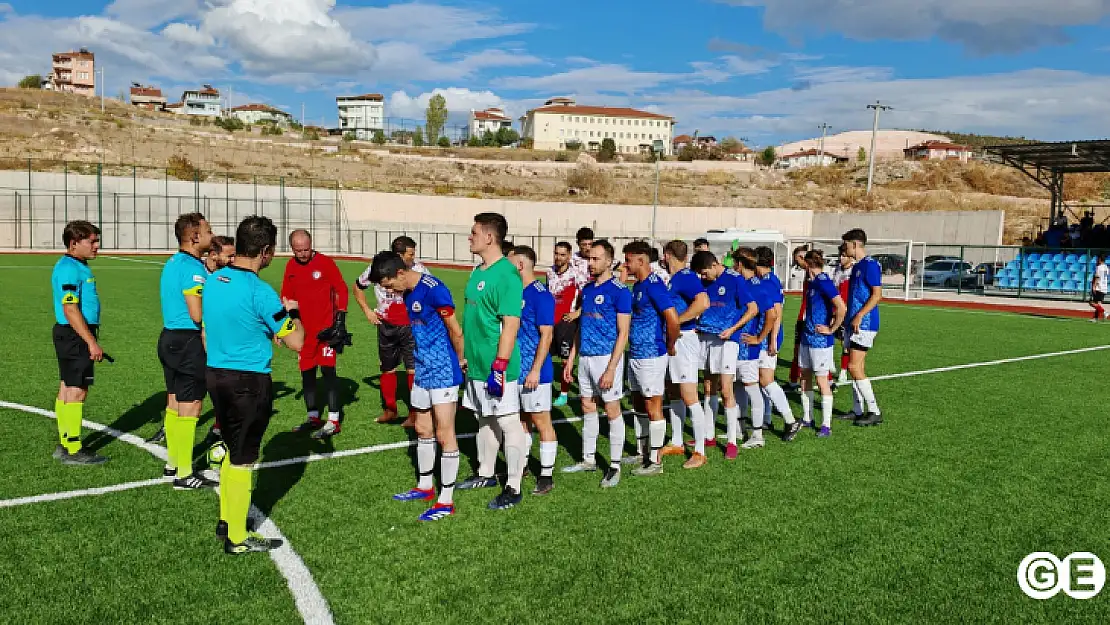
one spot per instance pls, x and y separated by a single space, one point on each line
878 107
821 146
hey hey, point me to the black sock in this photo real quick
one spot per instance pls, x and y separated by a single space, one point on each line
308 383
332 383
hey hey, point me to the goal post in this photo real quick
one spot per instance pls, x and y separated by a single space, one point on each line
902 261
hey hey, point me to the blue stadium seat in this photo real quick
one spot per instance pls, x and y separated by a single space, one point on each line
1071 285
1039 274
1058 258
1055 285
1051 275
1058 267
1028 284
1026 273
1084 259
1071 258
1075 268
1032 258
1042 284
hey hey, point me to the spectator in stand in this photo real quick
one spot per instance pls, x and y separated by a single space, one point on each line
701 245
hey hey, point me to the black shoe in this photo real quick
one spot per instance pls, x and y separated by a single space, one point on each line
221 528
211 438
792 431
507 499
168 472
544 485
255 543
868 420
193 482
83 457
474 482
159 436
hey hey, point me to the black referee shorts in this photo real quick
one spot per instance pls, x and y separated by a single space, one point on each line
563 339
75 368
183 362
396 346
1098 297
243 402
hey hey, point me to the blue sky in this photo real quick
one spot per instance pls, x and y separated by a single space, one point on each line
766 70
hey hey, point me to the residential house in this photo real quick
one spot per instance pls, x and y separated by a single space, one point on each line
681 141
938 151
251 114
560 121
490 120
147 97
204 101
361 114
74 72
810 158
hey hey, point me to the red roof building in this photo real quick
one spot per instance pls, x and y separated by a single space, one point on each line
938 151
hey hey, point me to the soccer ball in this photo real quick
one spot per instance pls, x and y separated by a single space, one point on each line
216 455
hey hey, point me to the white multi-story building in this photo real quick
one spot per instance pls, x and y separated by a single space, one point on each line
489 120
361 114
810 158
258 113
561 121
204 101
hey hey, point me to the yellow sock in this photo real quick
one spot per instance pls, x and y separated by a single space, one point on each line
224 467
238 494
186 435
169 425
70 418
59 413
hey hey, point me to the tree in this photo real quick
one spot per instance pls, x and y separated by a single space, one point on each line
474 141
528 143
507 136
861 156
33 81
418 137
731 145
436 117
489 140
767 156
444 142
574 145
379 137
608 150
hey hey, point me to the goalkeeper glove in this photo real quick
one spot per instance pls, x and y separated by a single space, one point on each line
495 383
336 336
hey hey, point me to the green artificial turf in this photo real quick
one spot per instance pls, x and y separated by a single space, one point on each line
923 519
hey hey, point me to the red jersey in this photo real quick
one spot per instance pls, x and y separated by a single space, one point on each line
805 289
319 289
564 288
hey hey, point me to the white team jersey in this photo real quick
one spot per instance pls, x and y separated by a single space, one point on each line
1102 278
385 297
658 269
841 275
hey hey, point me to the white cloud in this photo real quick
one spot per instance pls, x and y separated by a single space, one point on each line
151 13
841 73
596 78
187 34
459 103
432 26
982 26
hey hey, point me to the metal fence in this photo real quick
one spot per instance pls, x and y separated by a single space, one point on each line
1009 271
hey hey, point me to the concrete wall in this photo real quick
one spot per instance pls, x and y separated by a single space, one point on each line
948 227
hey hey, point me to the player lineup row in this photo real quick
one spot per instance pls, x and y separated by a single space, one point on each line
681 317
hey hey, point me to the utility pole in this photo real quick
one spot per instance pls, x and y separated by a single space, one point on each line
103 86
878 107
821 146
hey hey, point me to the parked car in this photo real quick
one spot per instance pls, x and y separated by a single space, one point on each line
891 263
949 273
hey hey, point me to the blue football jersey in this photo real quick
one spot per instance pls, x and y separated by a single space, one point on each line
182 275
437 363
866 275
72 282
764 302
242 314
647 337
820 311
539 311
774 285
725 308
684 288
597 328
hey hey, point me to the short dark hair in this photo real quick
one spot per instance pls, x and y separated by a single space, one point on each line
300 231
386 264
403 244
584 234
525 251
77 231
564 245
842 248
815 258
701 241
253 235
677 249
857 235
801 249
507 247
187 224
637 248
219 242
605 245
764 256
654 256
744 256
702 260
495 222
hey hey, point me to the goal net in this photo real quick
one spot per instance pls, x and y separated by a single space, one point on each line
902 262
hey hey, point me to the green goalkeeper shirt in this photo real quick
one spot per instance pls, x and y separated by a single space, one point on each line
492 293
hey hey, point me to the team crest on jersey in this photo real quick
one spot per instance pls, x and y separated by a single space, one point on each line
416 307
600 299
481 285
639 296
721 291
316 275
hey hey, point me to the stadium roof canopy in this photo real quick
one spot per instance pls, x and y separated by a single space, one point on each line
1047 163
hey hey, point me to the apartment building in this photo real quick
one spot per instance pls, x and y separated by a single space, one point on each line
937 151
561 121
147 97
261 113
361 114
204 101
489 120
74 72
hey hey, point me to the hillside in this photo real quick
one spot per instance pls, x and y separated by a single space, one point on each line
888 143
980 141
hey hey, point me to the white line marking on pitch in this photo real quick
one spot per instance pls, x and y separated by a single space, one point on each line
989 363
136 260
310 601
84 492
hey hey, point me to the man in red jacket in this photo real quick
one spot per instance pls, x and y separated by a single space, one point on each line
313 280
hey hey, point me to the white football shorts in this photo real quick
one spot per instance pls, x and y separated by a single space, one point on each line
423 399
864 339
721 355
537 399
684 365
816 359
478 399
590 370
648 376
